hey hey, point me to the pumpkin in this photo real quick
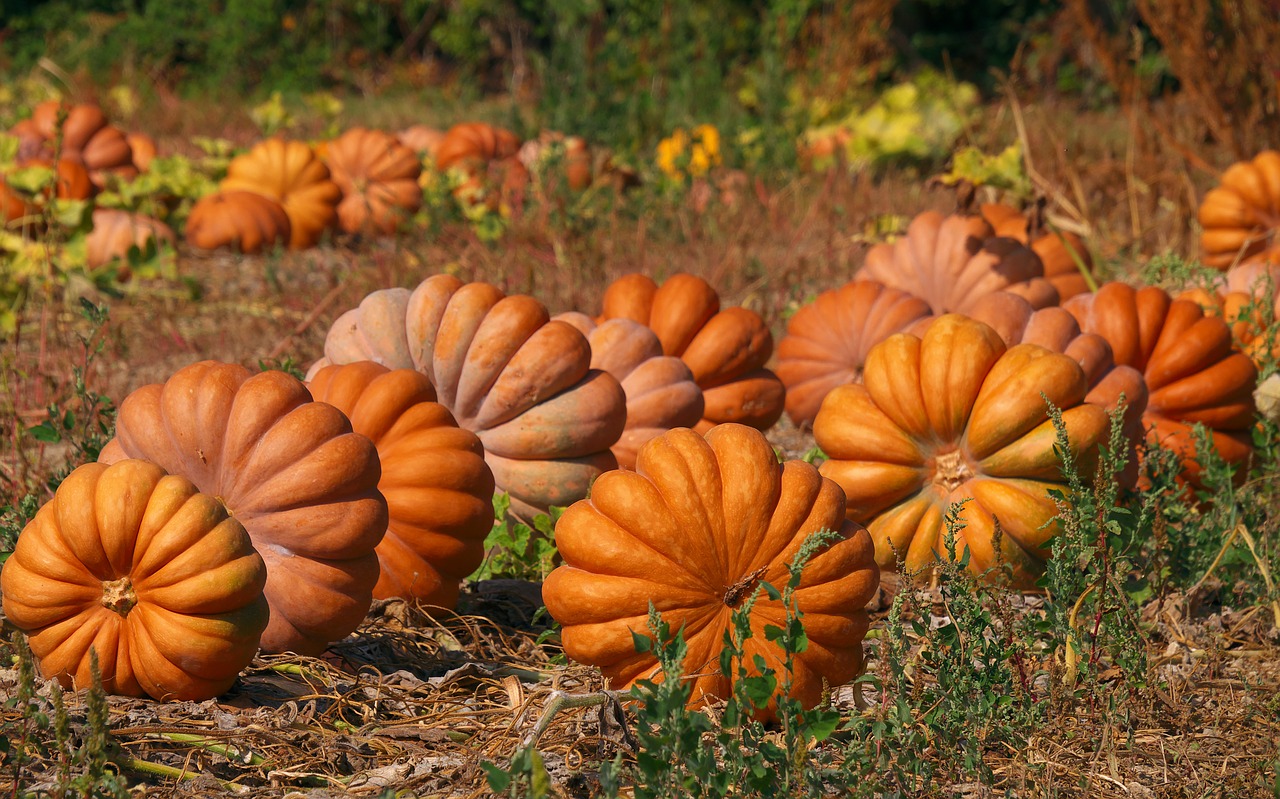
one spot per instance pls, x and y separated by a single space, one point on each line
115 231
422 140
1239 218
469 146
957 417
726 350
71 182
1247 300
289 469
952 261
86 138
1186 357
143 148
660 390
695 530
506 371
828 340
378 177
138 566
242 220
569 155
290 173
439 491
1061 253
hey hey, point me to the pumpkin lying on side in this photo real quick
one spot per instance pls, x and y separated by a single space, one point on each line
953 261
1063 254
954 418
378 177
82 134
69 181
289 469
439 491
506 371
485 159
695 530
1191 371
725 349
140 567
828 340
1240 217
289 173
115 232
242 220
1248 299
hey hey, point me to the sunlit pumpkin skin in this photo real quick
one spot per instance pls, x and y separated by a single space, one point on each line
143 148
695 529
241 220
726 350
86 138
469 146
289 173
1240 217
506 371
1247 299
140 567
828 340
378 177
953 261
423 140
115 231
290 470
1187 359
71 182
957 416
1061 253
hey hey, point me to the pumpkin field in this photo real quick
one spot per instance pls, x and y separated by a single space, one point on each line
749 398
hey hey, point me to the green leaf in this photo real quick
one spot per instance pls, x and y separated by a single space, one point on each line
498 779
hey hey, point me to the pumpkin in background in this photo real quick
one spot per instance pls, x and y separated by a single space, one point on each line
115 231
953 261
660 390
1246 298
289 173
423 140
695 530
1187 359
140 567
726 350
378 177
1061 253
828 340
438 489
568 155
1240 217
143 148
242 220
469 146
289 469
71 182
86 138
506 371
956 417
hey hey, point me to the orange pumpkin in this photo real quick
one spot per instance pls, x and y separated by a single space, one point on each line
71 182
726 350
289 173
242 220
290 470
1062 253
695 530
508 372
143 148
828 340
1246 298
958 417
378 177
1240 217
141 568
422 140
115 231
82 134
469 146
568 154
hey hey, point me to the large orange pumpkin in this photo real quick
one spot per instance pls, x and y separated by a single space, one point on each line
957 417
694 531
290 173
378 177
725 349
1062 253
86 138
1241 216
828 340
242 220
508 372
115 231
289 469
140 567
1247 299
439 490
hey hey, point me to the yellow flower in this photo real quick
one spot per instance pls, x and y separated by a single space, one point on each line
670 150
699 152
706 150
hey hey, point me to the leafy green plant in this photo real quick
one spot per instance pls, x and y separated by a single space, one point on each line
514 549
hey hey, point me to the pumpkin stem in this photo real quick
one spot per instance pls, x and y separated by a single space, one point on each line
736 593
950 470
118 596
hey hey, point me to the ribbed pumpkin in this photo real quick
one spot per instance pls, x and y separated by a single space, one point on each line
242 220
660 390
1062 253
289 173
1246 298
695 530
1240 217
86 138
953 261
521 381
951 417
143 148
725 349
70 182
423 140
1191 371
828 340
469 146
140 567
378 177
289 469
115 231
439 491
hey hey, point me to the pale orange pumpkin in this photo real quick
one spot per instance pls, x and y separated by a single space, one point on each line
378 177
82 134
115 232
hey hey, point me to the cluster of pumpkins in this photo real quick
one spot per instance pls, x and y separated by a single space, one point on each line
236 511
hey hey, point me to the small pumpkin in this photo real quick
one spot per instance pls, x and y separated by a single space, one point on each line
828 340
143 148
1240 217
470 146
70 182
378 177
138 566
956 417
695 530
85 137
242 220
1062 253
115 231
289 469
569 155
289 173
439 491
